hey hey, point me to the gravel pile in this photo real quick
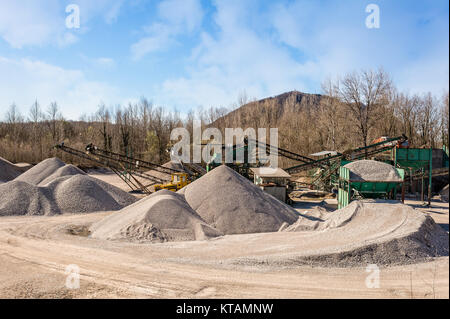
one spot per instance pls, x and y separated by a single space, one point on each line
65 189
20 198
66 170
8 171
372 171
41 171
160 217
232 204
308 221
380 232
84 194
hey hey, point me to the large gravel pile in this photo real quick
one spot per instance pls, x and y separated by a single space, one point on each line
66 170
41 171
20 198
233 205
372 171
84 194
65 189
381 232
162 216
8 171
310 220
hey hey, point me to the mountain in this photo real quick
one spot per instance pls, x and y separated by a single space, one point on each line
271 111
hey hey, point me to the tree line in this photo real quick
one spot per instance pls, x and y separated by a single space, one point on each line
351 111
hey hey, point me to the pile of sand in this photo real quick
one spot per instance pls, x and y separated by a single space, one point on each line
232 204
83 194
381 232
20 198
309 220
66 170
52 187
162 216
372 171
8 171
41 171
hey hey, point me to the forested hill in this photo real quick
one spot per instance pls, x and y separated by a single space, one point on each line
271 111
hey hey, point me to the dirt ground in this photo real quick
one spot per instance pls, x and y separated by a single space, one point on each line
35 251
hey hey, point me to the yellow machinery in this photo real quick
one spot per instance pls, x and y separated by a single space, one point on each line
178 181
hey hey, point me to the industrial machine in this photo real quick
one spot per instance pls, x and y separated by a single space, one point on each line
178 181
349 189
244 167
129 169
328 175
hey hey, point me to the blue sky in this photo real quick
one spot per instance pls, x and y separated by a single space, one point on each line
182 54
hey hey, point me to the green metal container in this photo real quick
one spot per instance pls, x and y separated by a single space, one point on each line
348 187
413 157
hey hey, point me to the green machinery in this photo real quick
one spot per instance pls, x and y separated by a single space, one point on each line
329 166
417 162
244 167
415 159
349 189
328 176
446 155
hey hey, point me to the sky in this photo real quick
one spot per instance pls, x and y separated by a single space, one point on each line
185 54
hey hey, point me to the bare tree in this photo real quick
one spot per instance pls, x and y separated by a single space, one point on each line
14 122
388 121
408 114
13 115
103 115
53 117
364 94
329 116
35 114
445 119
428 123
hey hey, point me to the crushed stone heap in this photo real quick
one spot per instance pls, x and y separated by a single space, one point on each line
41 171
52 187
8 171
374 231
372 171
232 204
162 216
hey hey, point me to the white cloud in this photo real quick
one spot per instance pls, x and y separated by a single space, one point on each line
109 10
160 39
429 74
101 62
298 44
237 58
37 23
105 62
181 14
29 80
29 22
175 17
